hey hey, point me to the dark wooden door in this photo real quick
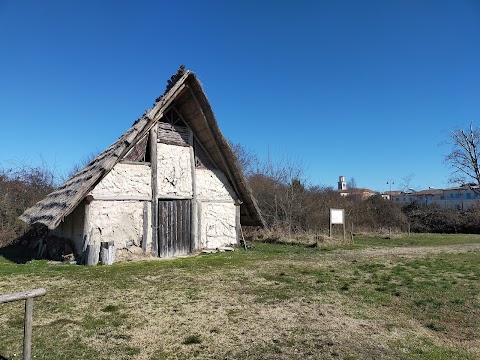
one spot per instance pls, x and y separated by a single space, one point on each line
174 222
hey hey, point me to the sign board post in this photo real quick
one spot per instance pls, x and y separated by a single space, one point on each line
337 216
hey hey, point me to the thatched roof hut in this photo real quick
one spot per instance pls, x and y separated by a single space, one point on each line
195 127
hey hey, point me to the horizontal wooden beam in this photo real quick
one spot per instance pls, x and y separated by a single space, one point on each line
173 197
223 201
128 162
22 295
119 198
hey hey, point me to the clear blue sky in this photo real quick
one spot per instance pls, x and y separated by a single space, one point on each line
365 89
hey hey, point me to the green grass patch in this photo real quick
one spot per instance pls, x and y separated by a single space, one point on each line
192 339
275 301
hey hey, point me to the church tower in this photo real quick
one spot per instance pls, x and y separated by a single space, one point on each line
342 184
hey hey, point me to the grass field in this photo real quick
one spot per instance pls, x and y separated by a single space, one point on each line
414 297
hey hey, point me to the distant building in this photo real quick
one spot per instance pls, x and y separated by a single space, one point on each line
342 184
358 193
462 197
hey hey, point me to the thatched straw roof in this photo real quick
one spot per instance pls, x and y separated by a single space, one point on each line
186 93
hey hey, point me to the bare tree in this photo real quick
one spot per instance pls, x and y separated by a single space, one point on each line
463 158
21 186
406 184
246 158
352 183
84 161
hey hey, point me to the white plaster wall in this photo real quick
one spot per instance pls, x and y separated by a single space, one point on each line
213 185
125 180
118 221
217 224
174 171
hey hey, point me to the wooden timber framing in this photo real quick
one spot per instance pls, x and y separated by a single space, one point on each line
238 225
183 99
145 228
193 139
137 151
121 198
60 203
216 144
194 215
153 152
128 162
193 218
199 223
157 112
86 222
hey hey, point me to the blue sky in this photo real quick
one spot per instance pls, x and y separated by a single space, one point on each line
365 89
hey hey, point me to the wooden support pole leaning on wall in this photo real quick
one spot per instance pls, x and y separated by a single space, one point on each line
152 139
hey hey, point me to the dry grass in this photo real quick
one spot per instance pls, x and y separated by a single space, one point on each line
273 302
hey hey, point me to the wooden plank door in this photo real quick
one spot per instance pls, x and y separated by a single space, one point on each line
174 222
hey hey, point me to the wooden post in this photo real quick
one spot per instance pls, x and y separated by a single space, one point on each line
199 223
409 228
238 225
27 329
93 252
145 227
351 232
86 238
107 252
389 232
153 160
28 320
193 219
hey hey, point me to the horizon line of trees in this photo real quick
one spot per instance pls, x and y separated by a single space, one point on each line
288 202
290 205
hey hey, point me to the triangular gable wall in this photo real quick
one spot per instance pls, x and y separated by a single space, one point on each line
189 102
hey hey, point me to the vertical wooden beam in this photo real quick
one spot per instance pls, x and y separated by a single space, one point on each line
194 237
199 224
86 223
145 227
238 225
351 233
152 139
27 329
